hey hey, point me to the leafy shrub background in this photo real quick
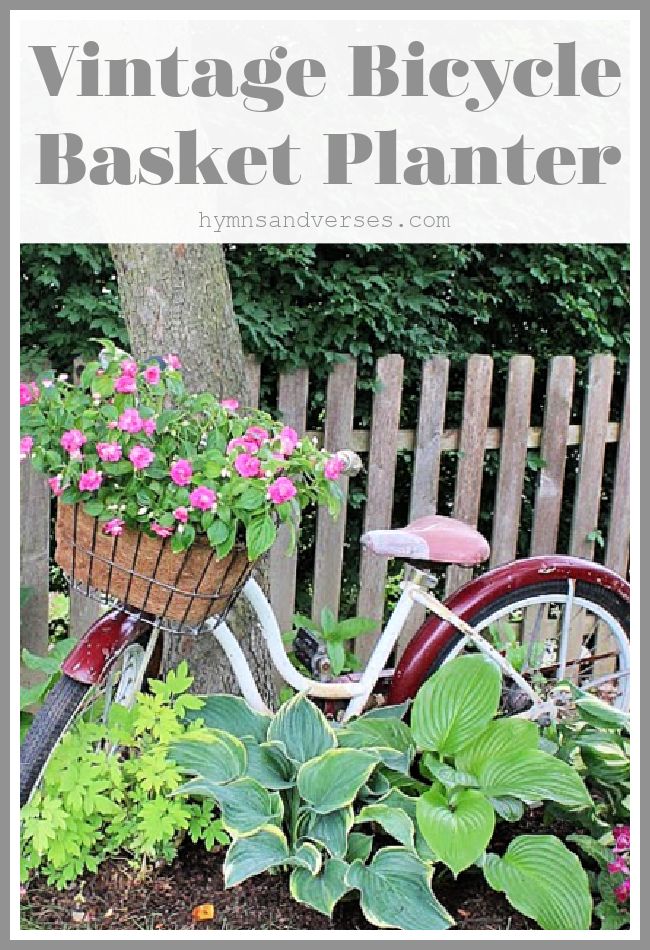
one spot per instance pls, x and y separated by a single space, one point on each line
311 305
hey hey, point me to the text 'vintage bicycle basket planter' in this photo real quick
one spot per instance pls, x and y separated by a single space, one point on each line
166 498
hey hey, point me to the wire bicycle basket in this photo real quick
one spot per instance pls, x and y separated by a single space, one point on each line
175 589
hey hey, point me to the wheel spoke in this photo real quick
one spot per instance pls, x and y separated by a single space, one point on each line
566 626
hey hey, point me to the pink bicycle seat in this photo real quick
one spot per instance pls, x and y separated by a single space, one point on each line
433 538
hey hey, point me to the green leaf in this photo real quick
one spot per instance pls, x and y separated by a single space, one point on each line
388 712
327 621
218 532
594 849
456 703
457 829
302 728
508 808
331 830
260 535
434 769
394 821
307 856
219 757
321 891
94 507
499 738
246 806
333 779
249 856
353 628
533 776
396 891
232 714
336 654
389 738
269 764
542 879
359 847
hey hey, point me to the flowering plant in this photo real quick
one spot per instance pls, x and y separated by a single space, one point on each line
137 450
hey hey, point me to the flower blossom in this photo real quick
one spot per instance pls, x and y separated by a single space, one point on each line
90 480
29 392
247 465
288 440
129 367
622 892
126 384
281 490
181 472
256 434
152 374
56 485
333 468
202 497
130 421
248 445
161 530
172 361
149 426
141 457
114 527
71 441
621 838
180 514
26 446
109 451
230 404
619 866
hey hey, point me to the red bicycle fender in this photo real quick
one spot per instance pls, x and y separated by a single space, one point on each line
435 634
101 643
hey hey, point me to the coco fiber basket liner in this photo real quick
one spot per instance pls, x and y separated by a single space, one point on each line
144 573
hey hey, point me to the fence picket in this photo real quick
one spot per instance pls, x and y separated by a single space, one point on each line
292 404
555 435
384 428
330 533
512 460
469 471
253 376
618 536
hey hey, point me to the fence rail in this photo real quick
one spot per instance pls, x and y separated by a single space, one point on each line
383 440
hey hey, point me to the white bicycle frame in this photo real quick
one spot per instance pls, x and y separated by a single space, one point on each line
413 592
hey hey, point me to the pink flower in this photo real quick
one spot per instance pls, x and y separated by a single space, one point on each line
230 404
181 472
180 514
129 367
126 384
281 490
90 480
246 444
288 440
114 527
72 440
130 421
149 426
56 485
333 468
29 392
622 892
202 497
109 451
141 456
247 465
26 446
160 530
152 374
622 838
256 434
619 866
172 361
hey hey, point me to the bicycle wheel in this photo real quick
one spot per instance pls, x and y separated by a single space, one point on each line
557 631
70 701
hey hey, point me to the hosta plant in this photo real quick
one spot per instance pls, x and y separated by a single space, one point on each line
296 793
483 768
138 451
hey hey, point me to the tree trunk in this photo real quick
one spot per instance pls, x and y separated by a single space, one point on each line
175 298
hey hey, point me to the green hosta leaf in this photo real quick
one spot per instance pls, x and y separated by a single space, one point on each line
321 891
533 776
330 830
396 891
359 847
232 714
219 757
394 821
249 856
456 703
388 712
457 833
389 738
246 806
333 779
542 879
511 809
307 856
269 764
433 768
499 738
302 728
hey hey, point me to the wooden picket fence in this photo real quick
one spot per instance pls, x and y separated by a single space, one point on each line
380 444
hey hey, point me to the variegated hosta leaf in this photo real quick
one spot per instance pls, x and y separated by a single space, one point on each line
433 768
323 890
533 776
218 757
249 856
269 764
307 855
544 880
359 847
246 806
398 799
457 834
389 738
396 891
232 714
302 728
455 704
330 830
333 779
598 713
500 738
376 787
388 712
394 821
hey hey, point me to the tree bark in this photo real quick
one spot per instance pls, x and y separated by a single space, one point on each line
176 298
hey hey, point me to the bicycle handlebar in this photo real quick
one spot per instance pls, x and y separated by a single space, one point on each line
351 460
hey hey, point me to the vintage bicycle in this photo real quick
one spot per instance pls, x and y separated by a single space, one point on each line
568 617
